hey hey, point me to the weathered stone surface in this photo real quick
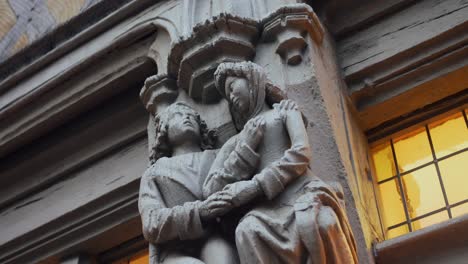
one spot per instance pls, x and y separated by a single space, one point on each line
220 39
289 25
159 91
295 74
261 175
120 56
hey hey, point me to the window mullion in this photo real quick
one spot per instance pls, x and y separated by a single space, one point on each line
436 163
465 117
402 191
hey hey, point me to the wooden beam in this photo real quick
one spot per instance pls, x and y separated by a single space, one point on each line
73 95
401 31
388 61
80 208
80 142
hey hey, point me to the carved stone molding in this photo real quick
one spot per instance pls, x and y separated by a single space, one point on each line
288 26
158 91
224 38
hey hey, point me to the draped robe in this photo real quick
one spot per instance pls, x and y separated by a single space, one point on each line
170 197
302 219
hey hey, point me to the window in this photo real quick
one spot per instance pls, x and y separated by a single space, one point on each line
141 257
422 176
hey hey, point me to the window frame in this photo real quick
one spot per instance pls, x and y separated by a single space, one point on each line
388 138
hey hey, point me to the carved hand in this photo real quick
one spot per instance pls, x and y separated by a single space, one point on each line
252 133
215 205
243 191
287 108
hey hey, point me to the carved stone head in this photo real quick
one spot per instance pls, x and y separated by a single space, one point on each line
177 123
247 89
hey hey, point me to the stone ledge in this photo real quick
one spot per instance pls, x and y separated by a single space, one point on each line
435 244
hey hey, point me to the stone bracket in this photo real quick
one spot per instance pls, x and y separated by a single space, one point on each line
225 38
159 91
288 26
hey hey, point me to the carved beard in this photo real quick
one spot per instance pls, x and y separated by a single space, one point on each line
257 83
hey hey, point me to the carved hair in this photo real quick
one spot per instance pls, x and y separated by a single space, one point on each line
162 148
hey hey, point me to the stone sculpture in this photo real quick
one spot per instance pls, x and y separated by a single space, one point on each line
302 218
174 218
287 215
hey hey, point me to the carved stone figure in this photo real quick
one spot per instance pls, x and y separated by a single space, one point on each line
288 214
296 217
175 217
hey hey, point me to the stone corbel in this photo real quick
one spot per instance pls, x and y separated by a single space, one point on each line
225 38
288 26
158 92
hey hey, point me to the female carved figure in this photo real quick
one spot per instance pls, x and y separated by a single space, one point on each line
174 217
300 218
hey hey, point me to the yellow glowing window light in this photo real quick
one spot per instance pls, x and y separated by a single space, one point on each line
141 257
422 176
